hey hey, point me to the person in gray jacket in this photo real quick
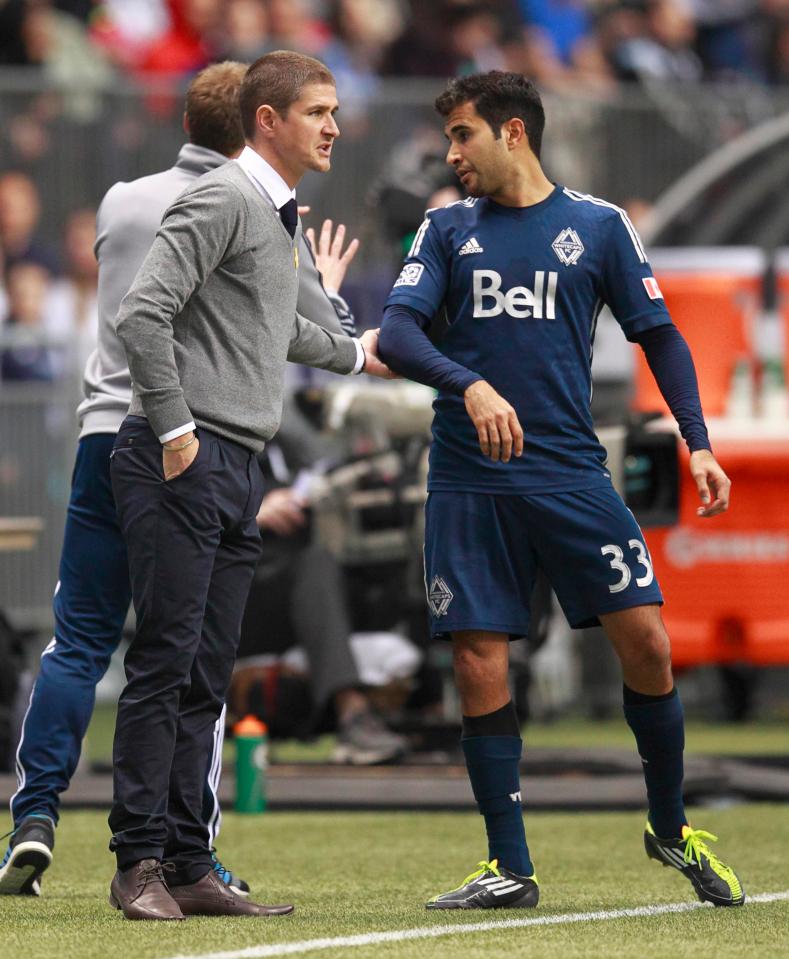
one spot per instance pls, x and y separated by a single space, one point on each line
93 593
208 325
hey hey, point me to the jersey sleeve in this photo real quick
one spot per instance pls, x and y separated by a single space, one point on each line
628 286
422 283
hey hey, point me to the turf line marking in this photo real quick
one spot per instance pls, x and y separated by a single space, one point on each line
433 932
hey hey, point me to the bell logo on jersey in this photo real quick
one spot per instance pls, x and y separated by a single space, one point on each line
650 285
520 301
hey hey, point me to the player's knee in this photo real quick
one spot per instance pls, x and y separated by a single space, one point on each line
650 651
478 663
469 661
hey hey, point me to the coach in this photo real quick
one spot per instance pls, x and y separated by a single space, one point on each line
207 326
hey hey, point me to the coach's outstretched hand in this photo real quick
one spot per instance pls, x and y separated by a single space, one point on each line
500 433
372 364
713 484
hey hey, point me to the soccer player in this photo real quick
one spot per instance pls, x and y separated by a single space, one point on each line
518 480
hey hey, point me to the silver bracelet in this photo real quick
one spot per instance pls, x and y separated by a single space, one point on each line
177 449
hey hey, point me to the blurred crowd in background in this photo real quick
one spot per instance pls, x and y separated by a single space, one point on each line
558 42
79 49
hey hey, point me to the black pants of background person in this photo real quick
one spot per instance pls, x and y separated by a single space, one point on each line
193 543
298 599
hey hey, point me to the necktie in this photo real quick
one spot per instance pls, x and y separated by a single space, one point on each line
289 215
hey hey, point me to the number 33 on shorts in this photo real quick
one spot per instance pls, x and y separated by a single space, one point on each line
617 562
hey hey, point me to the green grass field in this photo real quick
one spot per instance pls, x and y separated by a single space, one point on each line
358 873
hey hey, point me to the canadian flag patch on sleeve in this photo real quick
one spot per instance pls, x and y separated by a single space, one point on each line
652 288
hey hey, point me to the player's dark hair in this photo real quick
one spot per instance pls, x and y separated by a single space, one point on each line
498 97
212 108
277 79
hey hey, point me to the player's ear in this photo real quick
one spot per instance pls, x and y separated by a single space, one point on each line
514 133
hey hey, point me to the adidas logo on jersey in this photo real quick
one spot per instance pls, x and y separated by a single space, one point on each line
520 301
470 246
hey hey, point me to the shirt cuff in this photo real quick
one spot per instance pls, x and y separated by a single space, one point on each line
172 434
359 357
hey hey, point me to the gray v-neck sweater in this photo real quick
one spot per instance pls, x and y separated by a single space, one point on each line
210 319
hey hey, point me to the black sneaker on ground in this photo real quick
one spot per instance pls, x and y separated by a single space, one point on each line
236 885
713 880
490 887
28 855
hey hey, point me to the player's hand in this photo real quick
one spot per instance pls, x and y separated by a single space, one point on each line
174 462
713 484
330 259
500 433
282 511
372 364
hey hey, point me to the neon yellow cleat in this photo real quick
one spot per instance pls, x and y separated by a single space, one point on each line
490 887
713 880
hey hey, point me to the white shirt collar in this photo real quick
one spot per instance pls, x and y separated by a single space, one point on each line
265 177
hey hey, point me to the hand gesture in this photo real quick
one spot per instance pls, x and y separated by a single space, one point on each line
372 364
713 484
329 257
500 433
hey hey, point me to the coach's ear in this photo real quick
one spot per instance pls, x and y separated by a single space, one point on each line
514 133
265 119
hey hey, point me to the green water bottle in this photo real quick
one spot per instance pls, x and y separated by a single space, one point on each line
251 736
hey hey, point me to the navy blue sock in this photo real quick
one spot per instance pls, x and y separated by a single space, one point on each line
493 768
659 727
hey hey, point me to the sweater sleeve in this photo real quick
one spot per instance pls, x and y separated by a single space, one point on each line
669 358
405 348
316 346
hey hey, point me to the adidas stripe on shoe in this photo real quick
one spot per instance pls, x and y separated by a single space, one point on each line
28 855
490 887
713 880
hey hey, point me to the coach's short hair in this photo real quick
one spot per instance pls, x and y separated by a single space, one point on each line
212 108
278 79
498 97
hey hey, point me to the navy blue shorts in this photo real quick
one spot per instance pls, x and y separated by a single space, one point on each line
482 553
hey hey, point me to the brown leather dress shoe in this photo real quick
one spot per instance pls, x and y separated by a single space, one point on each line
209 896
142 893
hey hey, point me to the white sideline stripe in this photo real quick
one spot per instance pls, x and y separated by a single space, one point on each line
433 932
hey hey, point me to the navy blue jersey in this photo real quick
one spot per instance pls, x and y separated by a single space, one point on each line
522 289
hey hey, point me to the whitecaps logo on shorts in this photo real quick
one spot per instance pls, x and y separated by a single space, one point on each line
439 596
410 274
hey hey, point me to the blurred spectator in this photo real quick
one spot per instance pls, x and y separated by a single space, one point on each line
775 40
361 30
245 31
190 42
725 39
292 27
20 211
562 23
12 50
72 308
58 45
27 357
125 29
446 39
297 599
664 51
